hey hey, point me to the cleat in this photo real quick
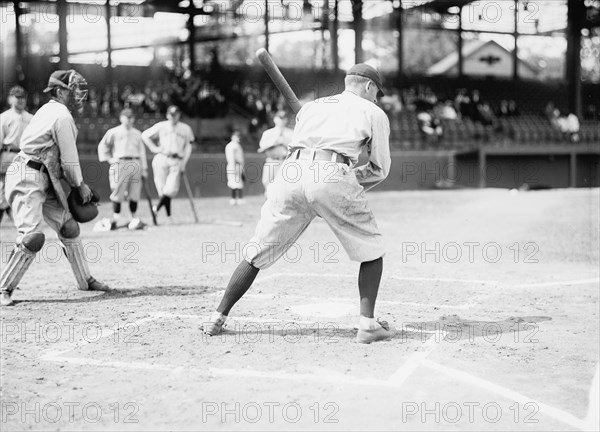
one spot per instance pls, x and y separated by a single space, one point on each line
94 285
136 224
5 299
232 202
384 332
214 328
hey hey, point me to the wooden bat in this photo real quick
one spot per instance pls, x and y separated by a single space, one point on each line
280 82
147 193
188 189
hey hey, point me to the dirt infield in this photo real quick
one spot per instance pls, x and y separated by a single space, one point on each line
494 296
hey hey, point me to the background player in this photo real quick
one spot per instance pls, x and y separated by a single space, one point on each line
123 148
33 184
327 141
234 153
12 125
173 152
275 144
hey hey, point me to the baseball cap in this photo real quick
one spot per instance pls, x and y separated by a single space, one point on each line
127 112
173 109
59 78
366 71
17 91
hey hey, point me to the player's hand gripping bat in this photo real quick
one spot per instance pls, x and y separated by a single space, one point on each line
267 62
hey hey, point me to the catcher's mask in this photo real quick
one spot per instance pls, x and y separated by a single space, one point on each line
72 81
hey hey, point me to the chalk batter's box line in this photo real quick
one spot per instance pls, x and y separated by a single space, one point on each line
396 380
492 283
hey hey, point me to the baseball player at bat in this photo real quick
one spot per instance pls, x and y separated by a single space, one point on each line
319 178
34 189
12 124
274 143
123 148
173 152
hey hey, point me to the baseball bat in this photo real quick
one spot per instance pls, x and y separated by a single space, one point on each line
147 193
278 79
188 189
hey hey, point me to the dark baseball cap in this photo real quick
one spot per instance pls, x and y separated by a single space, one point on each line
127 112
173 109
59 78
366 71
17 91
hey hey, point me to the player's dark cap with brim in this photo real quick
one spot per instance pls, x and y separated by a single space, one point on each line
127 112
366 71
59 78
173 109
18 92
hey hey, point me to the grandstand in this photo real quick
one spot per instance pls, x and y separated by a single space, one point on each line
218 94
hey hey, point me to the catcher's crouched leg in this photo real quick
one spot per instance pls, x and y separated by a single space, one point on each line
20 259
69 236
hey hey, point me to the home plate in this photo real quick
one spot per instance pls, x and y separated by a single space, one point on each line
328 309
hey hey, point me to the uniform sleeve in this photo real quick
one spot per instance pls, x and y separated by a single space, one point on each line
106 146
65 134
149 135
143 159
378 167
191 136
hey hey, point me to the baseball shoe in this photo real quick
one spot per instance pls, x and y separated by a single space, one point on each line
213 328
94 285
5 299
384 332
232 202
136 224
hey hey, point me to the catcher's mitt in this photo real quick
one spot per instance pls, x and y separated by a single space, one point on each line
83 212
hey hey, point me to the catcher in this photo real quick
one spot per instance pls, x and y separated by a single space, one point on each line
34 190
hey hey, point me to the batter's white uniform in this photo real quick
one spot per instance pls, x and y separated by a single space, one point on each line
12 125
313 180
125 150
275 144
175 149
234 153
49 138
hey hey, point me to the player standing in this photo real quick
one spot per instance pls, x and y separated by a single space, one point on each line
12 125
33 184
274 143
319 179
234 153
123 148
173 152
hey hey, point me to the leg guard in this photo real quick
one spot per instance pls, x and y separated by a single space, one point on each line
76 257
20 260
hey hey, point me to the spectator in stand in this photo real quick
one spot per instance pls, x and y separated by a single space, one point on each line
513 109
446 111
430 127
591 113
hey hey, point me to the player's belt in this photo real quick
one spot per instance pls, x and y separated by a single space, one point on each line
10 149
317 154
129 158
173 155
35 165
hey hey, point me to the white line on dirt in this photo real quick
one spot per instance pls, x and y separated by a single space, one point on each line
108 332
412 363
554 283
592 420
555 413
264 296
86 361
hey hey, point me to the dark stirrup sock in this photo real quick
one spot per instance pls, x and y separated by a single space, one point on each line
133 206
168 205
116 207
240 282
369 278
161 202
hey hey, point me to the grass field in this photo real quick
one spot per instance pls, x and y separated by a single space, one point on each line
494 295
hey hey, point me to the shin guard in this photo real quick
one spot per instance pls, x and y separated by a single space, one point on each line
76 256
